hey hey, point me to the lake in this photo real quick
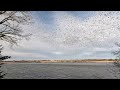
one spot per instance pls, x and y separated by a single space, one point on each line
58 71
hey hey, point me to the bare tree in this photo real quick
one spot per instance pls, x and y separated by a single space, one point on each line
116 64
2 74
11 30
10 21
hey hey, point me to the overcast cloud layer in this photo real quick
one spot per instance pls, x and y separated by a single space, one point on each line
69 35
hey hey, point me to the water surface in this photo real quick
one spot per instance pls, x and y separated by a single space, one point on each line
57 71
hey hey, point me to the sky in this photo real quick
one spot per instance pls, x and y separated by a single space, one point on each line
68 35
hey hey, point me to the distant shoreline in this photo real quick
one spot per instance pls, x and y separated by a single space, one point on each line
62 61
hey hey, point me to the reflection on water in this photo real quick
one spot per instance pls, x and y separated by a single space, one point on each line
57 71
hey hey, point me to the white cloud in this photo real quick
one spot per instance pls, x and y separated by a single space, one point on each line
58 53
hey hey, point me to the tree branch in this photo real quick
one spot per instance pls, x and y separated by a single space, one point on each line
2 12
7 18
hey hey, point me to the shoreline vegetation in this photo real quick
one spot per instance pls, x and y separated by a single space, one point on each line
61 61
